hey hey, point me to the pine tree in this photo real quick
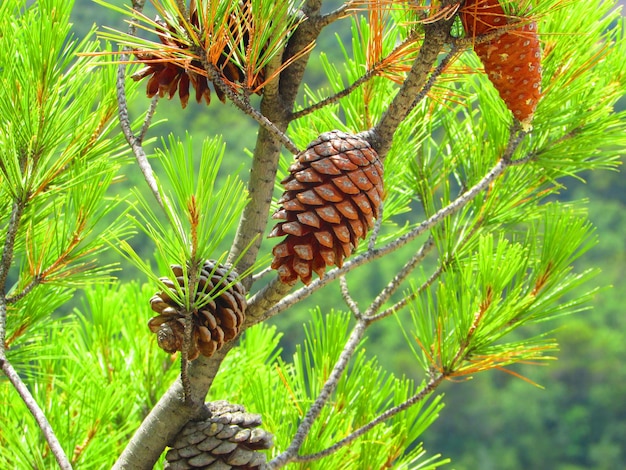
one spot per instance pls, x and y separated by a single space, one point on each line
432 155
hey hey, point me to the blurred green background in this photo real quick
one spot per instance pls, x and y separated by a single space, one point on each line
494 421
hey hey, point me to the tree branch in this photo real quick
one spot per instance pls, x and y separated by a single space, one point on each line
397 280
350 302
170 414
122 106
432 384
35 410
381 135
329 387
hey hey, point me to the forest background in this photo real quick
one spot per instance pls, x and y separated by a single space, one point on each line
494 421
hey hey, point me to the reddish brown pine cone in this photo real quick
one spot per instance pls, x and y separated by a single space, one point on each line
512 60
168 77
332 196
213 324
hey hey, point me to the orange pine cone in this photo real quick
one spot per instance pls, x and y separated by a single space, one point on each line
332 196
512 60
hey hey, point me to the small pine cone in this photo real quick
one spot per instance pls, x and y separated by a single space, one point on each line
512 61
230 438
332 196
215 323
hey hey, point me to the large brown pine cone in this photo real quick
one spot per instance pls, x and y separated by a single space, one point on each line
213 324
332 196
230 438
166 77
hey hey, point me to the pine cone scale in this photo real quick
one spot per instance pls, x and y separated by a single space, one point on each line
332 195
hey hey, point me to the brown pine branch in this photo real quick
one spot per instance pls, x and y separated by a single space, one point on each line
170 414
350 302
398 279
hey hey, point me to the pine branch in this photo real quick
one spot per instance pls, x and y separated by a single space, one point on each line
367 76
337 14
314 411
25 291
33 407
148 119
171 413
398 279
430 387
7 254
350 302
134 142
7 368
406 299
381 135
433 277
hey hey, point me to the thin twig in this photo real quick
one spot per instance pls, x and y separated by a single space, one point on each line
25 291
337 96
430 387
125 124
345 293
397 280
338 13
371 73
258 276
466 41
148 119
331 383
36 411
407 298
215 77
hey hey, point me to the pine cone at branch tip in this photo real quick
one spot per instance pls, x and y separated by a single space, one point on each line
169 76
332 196
512 61
229 439
215 323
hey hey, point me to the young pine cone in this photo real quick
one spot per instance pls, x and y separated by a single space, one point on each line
230 438
213 324
512 60
332 196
